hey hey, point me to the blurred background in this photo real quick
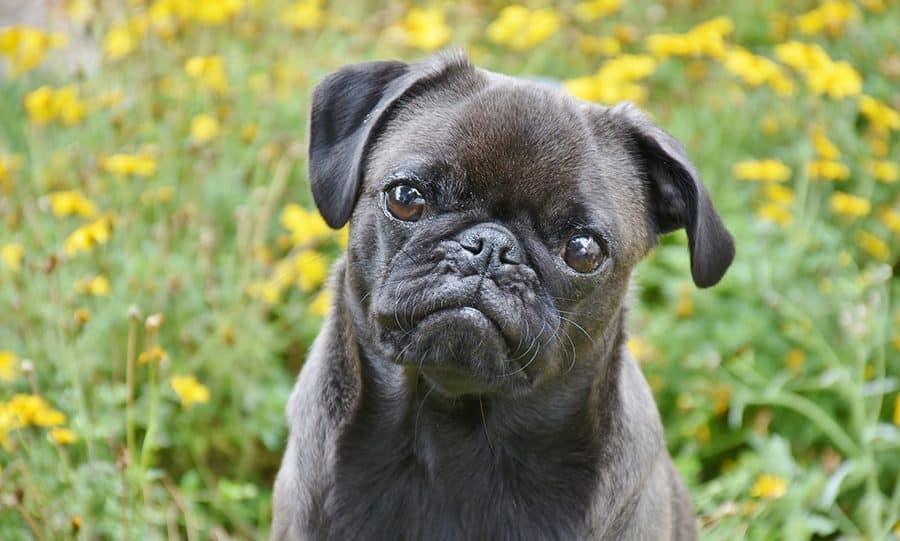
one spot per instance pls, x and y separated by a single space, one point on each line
162 267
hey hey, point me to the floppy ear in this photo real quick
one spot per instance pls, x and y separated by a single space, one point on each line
345 108
678 197
349 109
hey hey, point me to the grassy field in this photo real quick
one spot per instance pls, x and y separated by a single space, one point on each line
161 270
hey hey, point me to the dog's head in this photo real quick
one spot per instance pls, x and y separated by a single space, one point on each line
495 222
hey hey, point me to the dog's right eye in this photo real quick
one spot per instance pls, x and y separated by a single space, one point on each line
405 203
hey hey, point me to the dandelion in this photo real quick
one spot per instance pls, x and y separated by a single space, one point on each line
757 70
850 205
311 269
874 246
189 390
216 12
97 286
12 254
209 70
885 171
424 29
66 203
25 47
615 80
61 436
830 16
705 39
139 165
890 218
596 9
879 114
824 148
87 236
778 194
47 104
769 487
82 316
306 226
775 213
823 75
520 28
204 128
122 39
795 359
155 355
8 363
768 170
827 170
303 15
607 46
33 410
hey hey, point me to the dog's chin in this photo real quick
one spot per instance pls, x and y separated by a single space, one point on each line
461 351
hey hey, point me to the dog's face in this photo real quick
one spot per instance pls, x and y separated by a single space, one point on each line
495 222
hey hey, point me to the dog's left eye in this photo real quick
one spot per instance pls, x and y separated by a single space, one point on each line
583 253
405 203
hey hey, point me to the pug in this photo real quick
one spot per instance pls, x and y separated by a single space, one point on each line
472 381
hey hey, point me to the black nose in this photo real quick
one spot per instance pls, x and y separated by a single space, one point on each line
492 245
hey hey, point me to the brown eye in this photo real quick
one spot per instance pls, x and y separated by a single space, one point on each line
405 203
583 253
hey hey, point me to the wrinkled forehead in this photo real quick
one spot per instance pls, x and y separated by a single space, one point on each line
509 145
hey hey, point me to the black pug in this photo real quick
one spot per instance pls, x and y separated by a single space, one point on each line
471 382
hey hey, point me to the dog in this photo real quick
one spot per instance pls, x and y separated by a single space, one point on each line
472 381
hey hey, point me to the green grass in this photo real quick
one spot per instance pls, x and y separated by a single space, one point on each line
787 368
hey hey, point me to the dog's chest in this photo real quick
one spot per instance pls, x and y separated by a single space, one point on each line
458 486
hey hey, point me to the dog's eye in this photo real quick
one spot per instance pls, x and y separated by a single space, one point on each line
583 253
405 203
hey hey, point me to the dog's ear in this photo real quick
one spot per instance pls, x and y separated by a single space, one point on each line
346 106
349 109
678 197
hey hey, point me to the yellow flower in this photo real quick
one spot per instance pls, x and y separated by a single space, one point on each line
303 15
705 39
33 410
204 128
520 28
608 46
885 171
249 131
831 15
775 213
215 12
306 226
769 486
827 170
614 81
321 304
12 254
189 390
825 149
823 75
140 165
757 70
25 47
155 354
121 40
46 104
311 268
209 70
8 363
850 205
62 436
596 9
97 286
82 316
424 29
764 170
874 246
879 114
778 194
890 218
640 349
87 236
66 203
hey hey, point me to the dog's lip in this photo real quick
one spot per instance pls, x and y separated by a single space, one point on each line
477 315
